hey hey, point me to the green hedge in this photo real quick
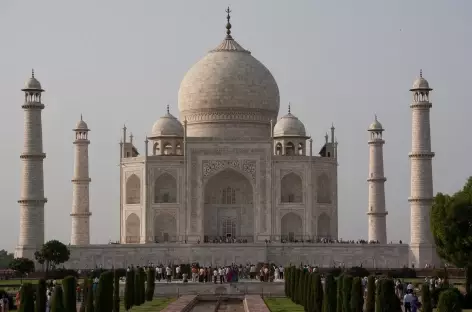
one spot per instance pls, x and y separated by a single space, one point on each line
116 291
370 300
449 301
347 289
41 298
27 298
90 305
357 296
57 304
129 290
104 299
69 287
339 291
330 297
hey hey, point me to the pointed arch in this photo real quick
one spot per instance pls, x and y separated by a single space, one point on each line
133 190
291 188
278 149
133 228
301 149
292 227
289 149
323 189
165 189
324 226
165 228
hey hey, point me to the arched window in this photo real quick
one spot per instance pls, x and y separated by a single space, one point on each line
289 149
229 228
291 188
301 150
178 149
165 189
323 189
167 149
133 190
278 149
228 196
155 149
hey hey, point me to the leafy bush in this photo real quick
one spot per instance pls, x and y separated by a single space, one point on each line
357 296
449 301
317 291
90 306
330 298
339 291
426 300
57 304
27 298
104 300
336 272
347 288
116 291
370 300
41 298
402 273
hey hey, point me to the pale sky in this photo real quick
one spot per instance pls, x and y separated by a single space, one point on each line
120 62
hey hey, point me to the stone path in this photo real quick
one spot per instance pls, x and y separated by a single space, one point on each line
255 303
180 304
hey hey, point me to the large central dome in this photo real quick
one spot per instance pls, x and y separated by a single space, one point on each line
229 94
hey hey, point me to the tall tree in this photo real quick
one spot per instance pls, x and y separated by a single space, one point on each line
450 225
151 283
339 305
22 266
116 291
357 297
70 293
41 298
85 290
57 304
317 293
52 253
27 298
104 300
5 259
347 286
330 297
426 301
370 300
90 305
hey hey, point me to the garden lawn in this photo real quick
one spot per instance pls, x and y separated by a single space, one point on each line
282 305
155 305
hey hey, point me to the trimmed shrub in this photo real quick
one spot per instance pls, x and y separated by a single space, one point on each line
317 293
116 291
57 304
427 303
358 272
137 288
287 281
41 298
128 298
330 298
339 294
294 283
357 297
347 288
370 300
378 295
69 285
90 304
142 285
402 273
449 301
336 272
27 298
390 302
307 288
104 300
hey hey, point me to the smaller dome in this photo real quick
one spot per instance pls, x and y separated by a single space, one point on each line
289 125
81 125
32 83
376 125
167 125
420 83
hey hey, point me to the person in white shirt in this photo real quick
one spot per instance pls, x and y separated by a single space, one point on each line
276 273
407 300
169 274
221 274
215 276
177 272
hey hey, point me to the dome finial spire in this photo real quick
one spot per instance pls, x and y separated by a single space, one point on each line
32 73
421 73
228 24
81 117
167 109
289 108
375 117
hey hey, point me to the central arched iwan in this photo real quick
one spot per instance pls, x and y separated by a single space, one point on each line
133 228
229 195
292 227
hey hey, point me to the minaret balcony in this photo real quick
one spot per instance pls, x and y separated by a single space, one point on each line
420 199
33 105
377 213
377 179
81 180
424 105
425 155
32 201
33 156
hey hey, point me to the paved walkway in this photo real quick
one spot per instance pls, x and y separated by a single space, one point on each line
255 303
180 304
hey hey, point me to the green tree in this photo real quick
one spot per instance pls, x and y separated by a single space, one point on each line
340 294
287 282
306 290
52 253
300 287
317 291
450 225
426 301
22 266
347 288
294 283
449 301
370 300
378 295
104 300
41 298
390 302
137 288
70 293
116 291
128 298
90 305
330 297
143 285
5 259
26 298
57 304
357 297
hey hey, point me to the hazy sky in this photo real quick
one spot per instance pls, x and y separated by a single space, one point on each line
120 62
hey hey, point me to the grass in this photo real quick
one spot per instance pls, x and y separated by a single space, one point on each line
282 305
155 305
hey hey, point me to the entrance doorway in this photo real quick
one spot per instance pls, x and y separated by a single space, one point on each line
229 228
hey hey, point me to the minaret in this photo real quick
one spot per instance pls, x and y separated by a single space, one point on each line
423 251
32 198
80 187
376 211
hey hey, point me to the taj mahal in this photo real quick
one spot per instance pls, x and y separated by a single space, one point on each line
229 181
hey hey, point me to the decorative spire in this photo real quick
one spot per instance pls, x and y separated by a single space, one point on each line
124 127
421 73
228 24
32 73
289 108
81 119
168 109
375 117
332 126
